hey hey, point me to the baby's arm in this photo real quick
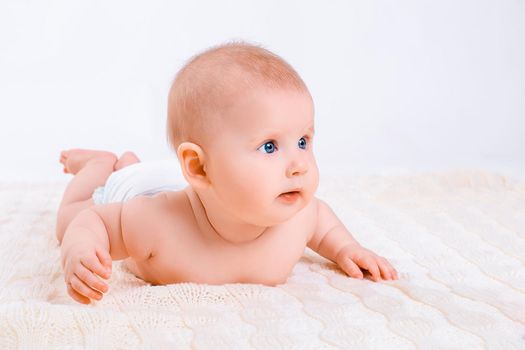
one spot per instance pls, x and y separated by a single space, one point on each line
95 237
333 241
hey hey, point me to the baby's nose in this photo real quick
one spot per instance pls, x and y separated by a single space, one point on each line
297 167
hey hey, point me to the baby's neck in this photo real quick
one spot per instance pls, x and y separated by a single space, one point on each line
214 224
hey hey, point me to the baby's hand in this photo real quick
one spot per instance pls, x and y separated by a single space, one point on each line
354 256
81 266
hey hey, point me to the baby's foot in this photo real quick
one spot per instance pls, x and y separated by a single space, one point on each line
75 159
127 158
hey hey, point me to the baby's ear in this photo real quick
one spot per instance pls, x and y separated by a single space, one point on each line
191 158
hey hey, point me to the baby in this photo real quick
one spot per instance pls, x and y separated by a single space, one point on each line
241 121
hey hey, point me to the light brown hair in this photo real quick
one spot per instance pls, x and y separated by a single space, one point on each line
213 79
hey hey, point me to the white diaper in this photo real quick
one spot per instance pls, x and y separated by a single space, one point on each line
141 179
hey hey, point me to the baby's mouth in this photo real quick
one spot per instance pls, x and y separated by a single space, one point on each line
290 197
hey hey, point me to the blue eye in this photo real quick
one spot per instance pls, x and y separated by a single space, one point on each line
269 147
302 143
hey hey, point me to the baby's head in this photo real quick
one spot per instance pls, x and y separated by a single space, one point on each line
241 121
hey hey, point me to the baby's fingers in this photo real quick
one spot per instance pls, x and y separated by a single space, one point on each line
93 263
76 295
387 271
90 279
351 268
105 259
79 286
371 265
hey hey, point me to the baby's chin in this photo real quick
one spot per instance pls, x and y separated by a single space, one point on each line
287 205
278 210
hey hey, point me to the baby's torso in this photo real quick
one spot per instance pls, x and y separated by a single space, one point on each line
182 254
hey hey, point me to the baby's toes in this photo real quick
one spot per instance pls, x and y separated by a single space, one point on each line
63 157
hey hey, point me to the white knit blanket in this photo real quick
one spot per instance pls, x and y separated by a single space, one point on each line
457 240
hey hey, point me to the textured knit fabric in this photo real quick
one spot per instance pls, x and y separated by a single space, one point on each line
457 240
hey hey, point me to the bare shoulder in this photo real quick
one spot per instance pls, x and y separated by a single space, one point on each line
140 217
147 220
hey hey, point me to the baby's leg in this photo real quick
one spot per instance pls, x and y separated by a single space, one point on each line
127 158
91 170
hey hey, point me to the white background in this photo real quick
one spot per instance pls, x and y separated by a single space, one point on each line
399 86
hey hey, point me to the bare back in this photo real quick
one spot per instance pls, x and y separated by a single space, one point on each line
181 253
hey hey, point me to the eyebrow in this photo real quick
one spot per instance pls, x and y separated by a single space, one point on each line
269 134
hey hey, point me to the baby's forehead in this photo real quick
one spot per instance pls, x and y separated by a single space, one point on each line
270 107
255 128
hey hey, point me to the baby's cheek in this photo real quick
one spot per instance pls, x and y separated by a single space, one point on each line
314 181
